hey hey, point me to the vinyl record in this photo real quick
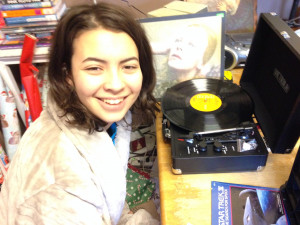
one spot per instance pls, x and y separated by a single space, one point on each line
206 104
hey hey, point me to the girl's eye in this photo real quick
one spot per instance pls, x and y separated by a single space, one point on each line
130 68
94 69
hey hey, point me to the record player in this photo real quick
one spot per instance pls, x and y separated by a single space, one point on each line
211 122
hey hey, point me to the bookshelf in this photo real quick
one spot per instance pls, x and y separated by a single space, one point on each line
13 60
38 18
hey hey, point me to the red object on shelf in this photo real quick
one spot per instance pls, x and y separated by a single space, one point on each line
28 77
2 22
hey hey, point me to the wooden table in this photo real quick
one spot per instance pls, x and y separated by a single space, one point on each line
186 199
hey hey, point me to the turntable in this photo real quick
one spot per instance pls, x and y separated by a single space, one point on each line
210 122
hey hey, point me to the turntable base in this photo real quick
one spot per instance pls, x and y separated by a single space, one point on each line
190 195
210 126
192 159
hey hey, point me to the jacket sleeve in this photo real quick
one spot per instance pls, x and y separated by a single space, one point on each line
55 205
141 217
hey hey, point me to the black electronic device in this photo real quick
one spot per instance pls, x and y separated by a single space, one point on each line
211 129
206 119
272 79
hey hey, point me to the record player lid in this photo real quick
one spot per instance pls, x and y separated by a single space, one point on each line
272 78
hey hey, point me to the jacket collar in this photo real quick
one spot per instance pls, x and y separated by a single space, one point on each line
108 162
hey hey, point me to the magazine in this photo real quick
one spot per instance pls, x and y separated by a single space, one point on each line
235 204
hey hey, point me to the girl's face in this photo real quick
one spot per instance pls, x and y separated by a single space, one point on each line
106 73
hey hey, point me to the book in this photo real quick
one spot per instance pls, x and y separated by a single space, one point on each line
29 28
10 51
5 2
29 5
18 44
32 19
237 204
32 12
37 34
13 54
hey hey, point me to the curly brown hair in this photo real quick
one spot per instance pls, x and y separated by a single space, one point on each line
88 17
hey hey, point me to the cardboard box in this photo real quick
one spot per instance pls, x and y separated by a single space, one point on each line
178 8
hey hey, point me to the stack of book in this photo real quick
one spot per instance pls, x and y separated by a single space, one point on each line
36 17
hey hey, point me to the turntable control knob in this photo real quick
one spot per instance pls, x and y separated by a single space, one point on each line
202 146
217 146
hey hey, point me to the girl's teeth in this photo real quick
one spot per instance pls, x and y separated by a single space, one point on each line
113 101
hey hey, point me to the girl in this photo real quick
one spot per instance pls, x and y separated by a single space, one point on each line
70 167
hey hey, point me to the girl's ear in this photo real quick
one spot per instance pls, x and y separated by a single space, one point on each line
67 76
70 81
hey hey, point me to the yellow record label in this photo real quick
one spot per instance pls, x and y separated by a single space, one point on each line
205 102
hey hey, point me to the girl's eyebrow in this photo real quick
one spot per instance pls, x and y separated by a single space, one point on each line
104 61
129 59
93 59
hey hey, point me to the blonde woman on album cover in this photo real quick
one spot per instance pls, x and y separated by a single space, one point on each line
188 54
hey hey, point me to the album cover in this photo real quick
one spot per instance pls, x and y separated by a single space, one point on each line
237 204
186 47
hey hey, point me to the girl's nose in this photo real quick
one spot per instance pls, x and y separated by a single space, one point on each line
114 81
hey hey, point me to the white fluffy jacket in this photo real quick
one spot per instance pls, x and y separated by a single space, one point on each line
63 175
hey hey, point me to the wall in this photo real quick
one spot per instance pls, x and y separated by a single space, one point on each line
140 7
281 7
